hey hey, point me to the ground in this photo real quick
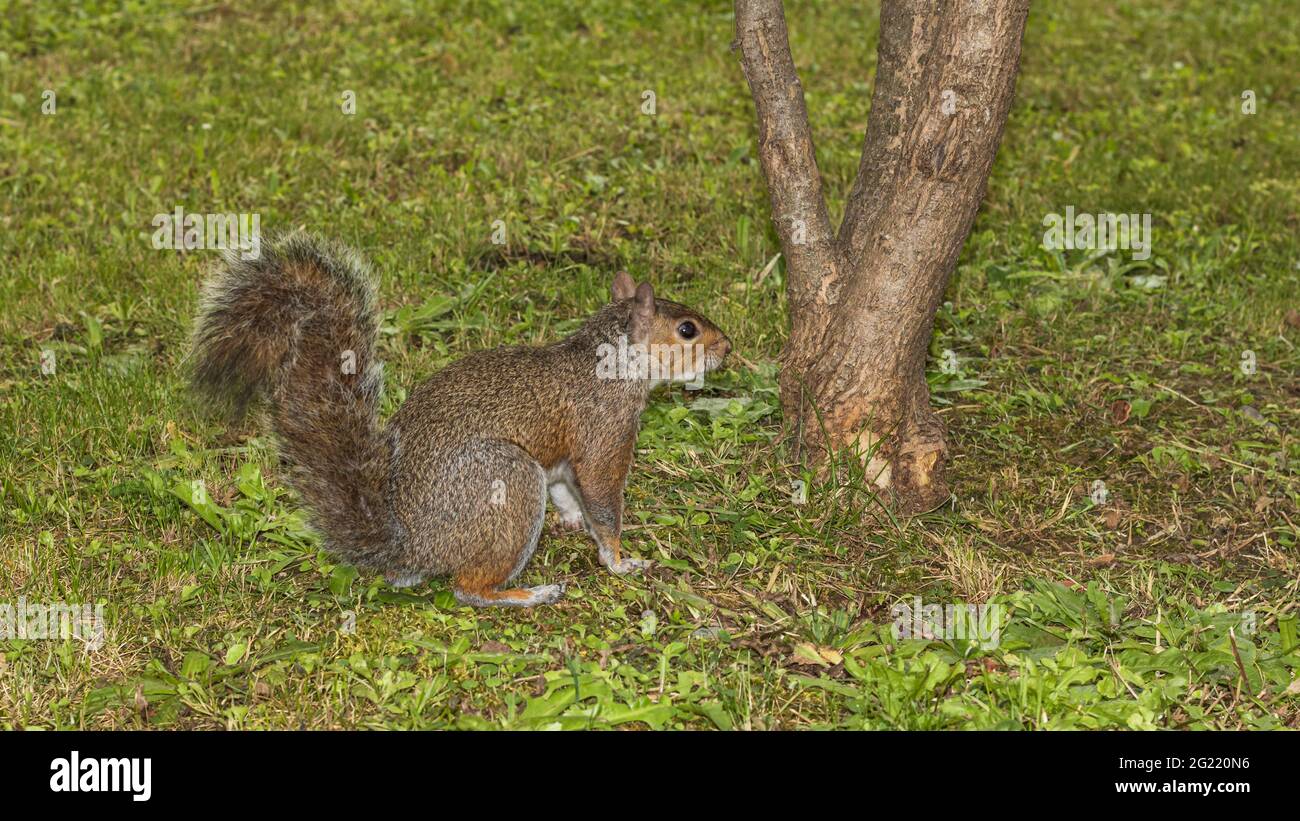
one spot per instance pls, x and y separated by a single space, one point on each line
1125 480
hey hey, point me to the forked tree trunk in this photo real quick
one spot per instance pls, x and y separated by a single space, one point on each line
862 302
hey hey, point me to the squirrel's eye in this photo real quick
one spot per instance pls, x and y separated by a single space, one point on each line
687 330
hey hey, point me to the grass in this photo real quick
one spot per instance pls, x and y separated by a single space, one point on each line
1164 597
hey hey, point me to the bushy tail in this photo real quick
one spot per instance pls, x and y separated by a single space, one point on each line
298 326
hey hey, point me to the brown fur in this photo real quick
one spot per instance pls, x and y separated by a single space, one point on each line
457 482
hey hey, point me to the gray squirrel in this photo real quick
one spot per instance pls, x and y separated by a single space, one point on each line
455 484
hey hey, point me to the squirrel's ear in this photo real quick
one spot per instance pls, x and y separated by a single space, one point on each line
623 287
643 313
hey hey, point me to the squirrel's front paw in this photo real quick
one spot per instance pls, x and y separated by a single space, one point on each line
629 565
567 524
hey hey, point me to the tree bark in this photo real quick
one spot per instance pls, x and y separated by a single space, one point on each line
862 302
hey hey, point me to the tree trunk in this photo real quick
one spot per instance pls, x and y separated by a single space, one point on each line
862 302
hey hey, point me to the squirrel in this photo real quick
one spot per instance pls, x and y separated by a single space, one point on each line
455 484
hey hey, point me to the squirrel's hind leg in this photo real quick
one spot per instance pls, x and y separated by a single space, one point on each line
510 524
519 597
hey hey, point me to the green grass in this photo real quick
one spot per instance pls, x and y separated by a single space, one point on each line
1173 604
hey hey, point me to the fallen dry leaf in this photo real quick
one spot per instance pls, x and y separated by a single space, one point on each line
1119 411
810 655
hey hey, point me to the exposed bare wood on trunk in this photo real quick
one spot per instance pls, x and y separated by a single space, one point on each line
862 302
